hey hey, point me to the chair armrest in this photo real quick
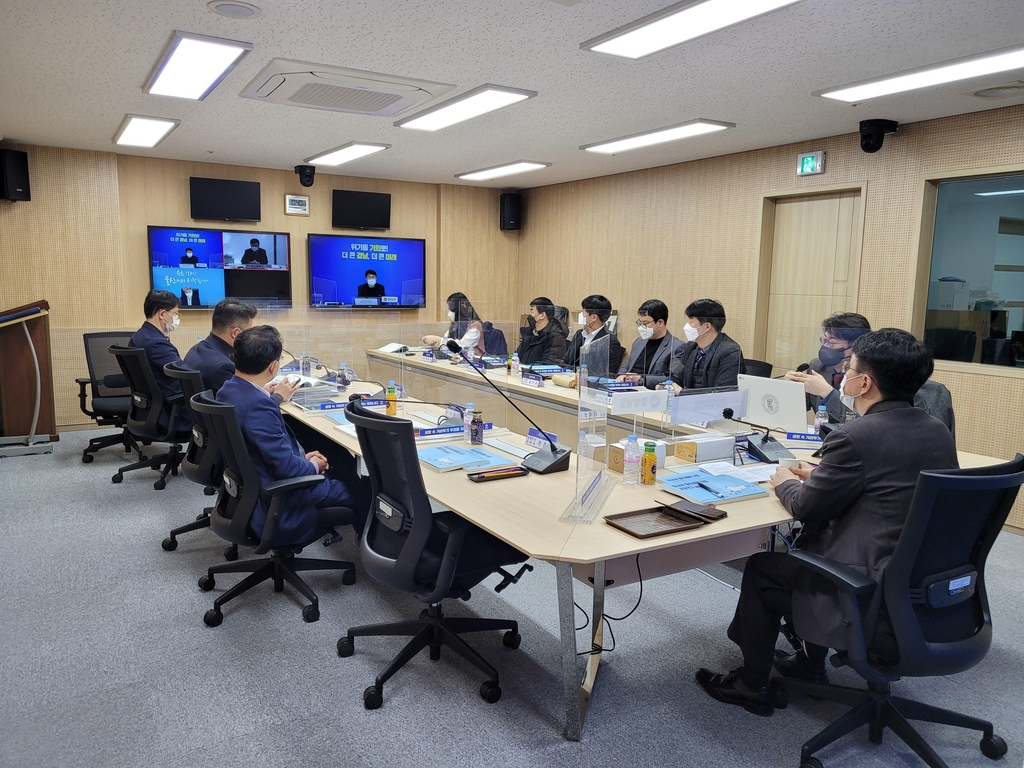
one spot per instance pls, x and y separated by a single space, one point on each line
82 396
845 578
291 484
449 523
116 381
83 382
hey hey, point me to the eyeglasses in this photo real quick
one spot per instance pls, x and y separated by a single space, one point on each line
646 323
829 343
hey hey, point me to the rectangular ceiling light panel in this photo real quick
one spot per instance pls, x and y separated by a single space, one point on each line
935 74
677 24
347 153
685 130
193 65
142 131
479 101
508 169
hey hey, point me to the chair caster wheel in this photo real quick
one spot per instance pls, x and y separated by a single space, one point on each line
348 578
811 762
423 614
169 545
210 491
159 485
87 458
490 691
993 747
346 647
213 618
310 614
231 553
117 478
512 640
206 583
372 698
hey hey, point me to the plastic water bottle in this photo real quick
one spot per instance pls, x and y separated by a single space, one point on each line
821 417
631 461
467 424
305 365
391 398
515 363
341 380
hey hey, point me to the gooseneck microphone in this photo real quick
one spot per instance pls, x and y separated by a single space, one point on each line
799 369
543 461
767 449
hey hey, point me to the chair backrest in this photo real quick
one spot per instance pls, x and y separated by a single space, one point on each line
935 582
935 399
240 488
494 341
757 368
202 463
103 364
399 526
147 400
951 343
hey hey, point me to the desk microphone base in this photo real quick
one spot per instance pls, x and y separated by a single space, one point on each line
544 461
767 449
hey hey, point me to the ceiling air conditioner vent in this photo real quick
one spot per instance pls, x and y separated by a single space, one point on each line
318 86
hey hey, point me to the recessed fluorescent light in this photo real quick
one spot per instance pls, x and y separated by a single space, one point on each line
677 24
658 136
346 153
1000 194
141 131
192 65
933 74
508 169
479 101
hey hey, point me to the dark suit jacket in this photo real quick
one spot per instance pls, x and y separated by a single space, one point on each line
160 352
855 503
366 291
193 260
259 256
196 301
723 362
660 363
212 358
571 359
547 346
277 455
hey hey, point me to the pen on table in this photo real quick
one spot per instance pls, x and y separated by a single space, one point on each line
709 489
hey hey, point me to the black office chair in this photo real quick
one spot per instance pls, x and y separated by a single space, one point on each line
146 408
201 462
494 341
757 368
951 344
935 597
109 391
230 519
433 555
995 351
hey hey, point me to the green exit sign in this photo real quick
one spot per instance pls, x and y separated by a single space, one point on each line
809 163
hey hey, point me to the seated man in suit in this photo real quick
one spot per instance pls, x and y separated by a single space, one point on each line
543 339
189 259
371 289
255 254
853 507
212 356
709 358
652 353
594 313
189 297
274 450
161 308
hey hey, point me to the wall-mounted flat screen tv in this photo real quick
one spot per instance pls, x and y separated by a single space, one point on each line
203 266
224 199
361 210
368 272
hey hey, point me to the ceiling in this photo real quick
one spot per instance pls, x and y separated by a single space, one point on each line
72 70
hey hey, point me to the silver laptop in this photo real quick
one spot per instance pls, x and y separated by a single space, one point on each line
775 403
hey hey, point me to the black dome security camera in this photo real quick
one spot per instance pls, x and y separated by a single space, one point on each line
872 133
306 173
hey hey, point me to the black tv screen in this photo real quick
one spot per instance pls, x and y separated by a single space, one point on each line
361 210
224 199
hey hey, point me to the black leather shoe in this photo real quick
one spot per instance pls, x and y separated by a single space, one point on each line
729 688
796 666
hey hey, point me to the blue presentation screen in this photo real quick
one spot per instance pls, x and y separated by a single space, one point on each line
203 266
339 267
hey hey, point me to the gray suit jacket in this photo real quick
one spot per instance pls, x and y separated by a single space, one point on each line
661 362
855 503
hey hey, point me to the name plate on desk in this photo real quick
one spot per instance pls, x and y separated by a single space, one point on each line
373 403
332 406
535 438
639 401
620 386
801 437
434 431
533 380
428 355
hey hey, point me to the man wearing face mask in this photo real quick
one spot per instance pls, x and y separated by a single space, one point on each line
853 506
823 374
371 289
594 313
189 297
189 259
543 339
161 308
255 254
709 358
212 356
651 355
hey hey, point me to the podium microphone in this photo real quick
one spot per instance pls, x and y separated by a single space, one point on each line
799 369
767 449
552 458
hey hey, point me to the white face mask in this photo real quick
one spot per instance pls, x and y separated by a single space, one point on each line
582 318
371 281
690 332
645 331
255 247
846 399
174 323
451 315
188 291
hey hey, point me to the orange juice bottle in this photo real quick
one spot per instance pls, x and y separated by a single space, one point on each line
648 465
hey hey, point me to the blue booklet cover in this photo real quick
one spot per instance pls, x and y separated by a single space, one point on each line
489 460
704 488
445 458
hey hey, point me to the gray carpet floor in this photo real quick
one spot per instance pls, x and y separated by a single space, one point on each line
106 661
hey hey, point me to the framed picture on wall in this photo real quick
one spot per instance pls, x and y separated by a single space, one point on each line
296 205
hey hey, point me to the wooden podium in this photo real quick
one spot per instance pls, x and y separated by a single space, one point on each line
28 423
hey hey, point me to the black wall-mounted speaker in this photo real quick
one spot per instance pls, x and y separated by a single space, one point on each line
14 175
511 211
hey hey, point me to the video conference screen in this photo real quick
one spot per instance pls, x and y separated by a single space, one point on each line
203 266
371 272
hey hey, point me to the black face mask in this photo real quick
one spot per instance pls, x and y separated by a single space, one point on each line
830 358
531 321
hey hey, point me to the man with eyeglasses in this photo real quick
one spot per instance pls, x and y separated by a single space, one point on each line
824 374
650 357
